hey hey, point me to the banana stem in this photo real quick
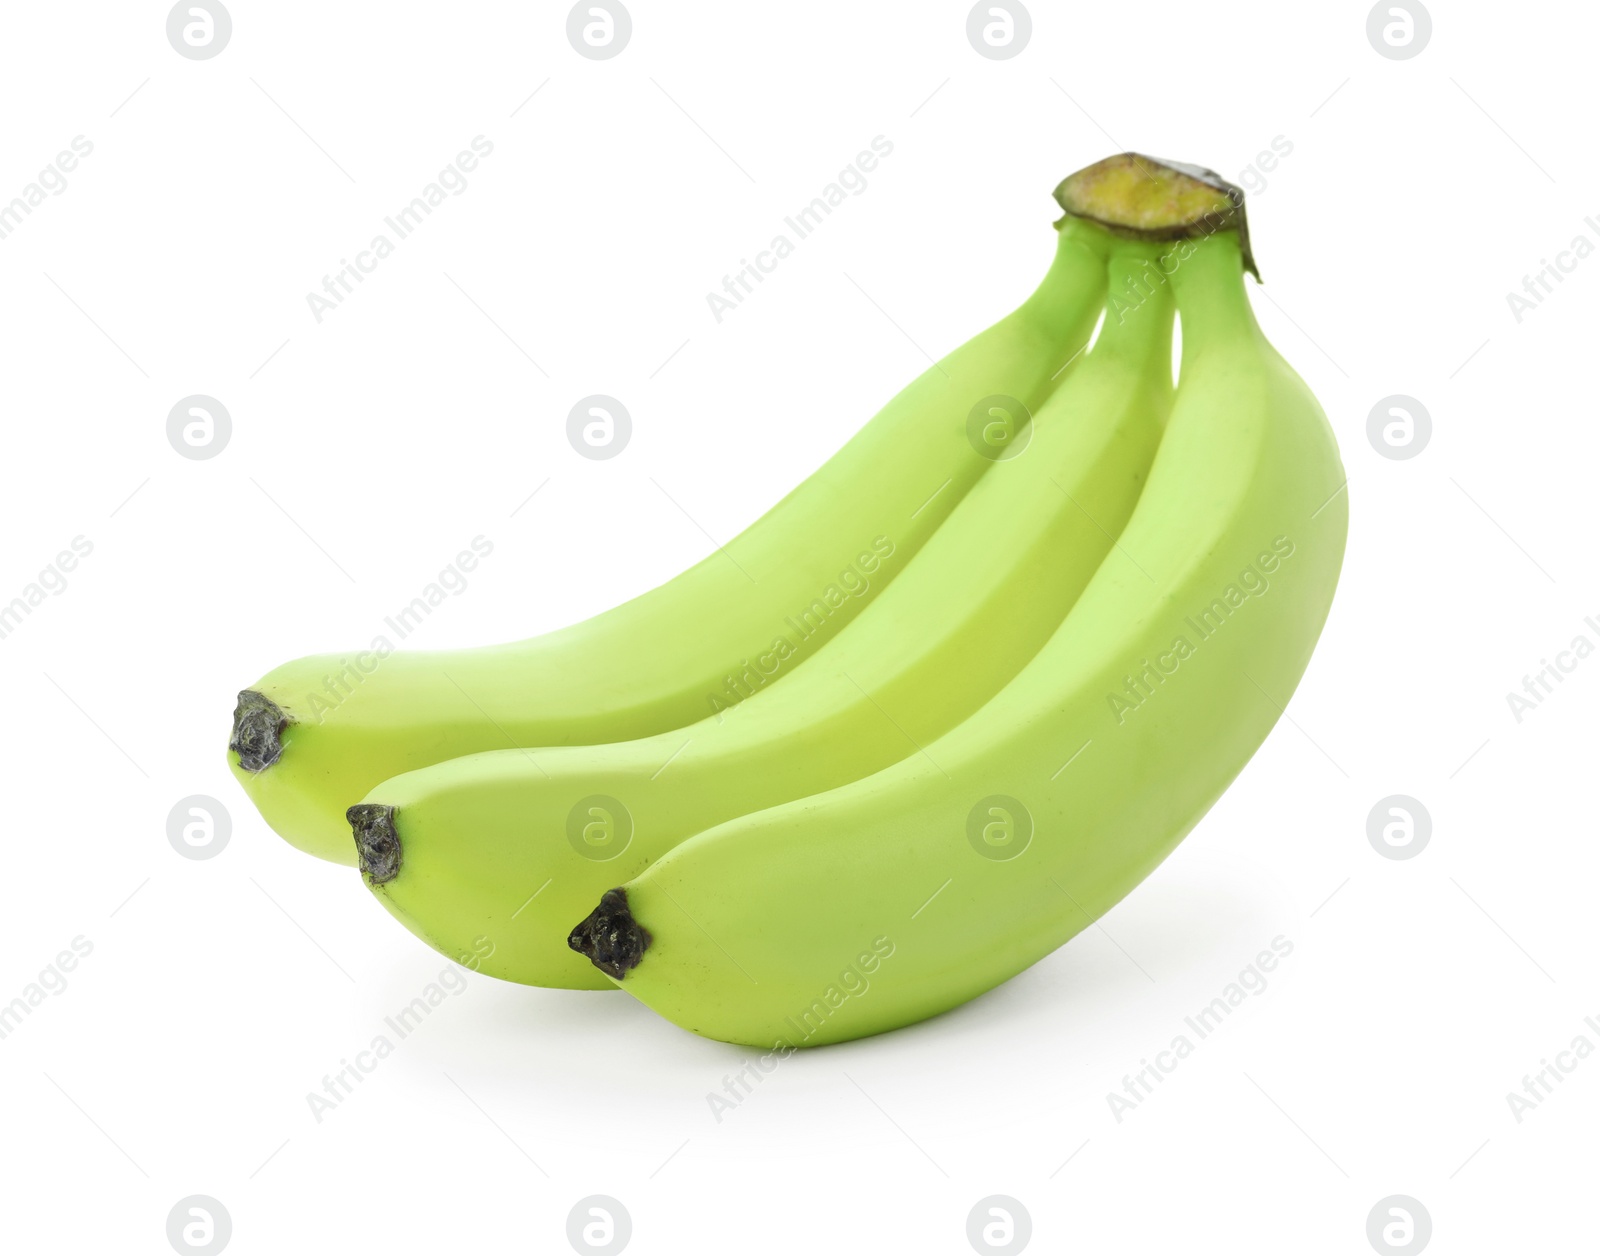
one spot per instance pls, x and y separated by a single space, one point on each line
1077 268
1208 283
1137 293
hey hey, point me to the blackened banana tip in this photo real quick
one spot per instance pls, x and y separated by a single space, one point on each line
610 937
377 841
257 736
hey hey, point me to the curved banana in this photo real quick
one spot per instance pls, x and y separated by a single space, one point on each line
313 734
911 891
491 857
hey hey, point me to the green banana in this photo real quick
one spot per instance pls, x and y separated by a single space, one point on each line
908 892
490 857
313 734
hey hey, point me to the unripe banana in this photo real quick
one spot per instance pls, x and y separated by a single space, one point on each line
491 857
906 893
304 745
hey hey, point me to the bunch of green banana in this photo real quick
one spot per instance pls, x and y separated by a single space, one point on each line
314 735
908 892
490 857
809 814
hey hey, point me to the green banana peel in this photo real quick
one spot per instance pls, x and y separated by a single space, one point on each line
314 735
492 856
908 892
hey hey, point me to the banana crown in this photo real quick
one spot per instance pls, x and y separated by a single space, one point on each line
1147 198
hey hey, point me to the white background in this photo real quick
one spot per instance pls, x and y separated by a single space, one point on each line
369 448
